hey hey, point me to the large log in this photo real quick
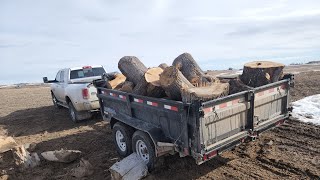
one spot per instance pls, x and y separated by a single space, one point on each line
173 81
214 91
141 87
132 68
259 73
192 71
152 76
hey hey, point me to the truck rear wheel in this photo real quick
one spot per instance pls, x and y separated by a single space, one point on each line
76 116
143 146
122 139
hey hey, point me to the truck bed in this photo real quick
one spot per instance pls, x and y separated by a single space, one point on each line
199 129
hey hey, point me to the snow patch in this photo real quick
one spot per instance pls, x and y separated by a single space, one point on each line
307 109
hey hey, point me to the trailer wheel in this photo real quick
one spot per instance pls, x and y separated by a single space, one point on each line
122 137
55 101
143 146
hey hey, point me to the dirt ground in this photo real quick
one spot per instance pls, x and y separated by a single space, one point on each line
291 151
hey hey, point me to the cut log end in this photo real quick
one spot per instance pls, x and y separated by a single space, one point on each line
152 76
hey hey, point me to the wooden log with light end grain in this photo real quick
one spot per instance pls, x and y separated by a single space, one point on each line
259 73
214 91
173 81
152 76
132 68
117 82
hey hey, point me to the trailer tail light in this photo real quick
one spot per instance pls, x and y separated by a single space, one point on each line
209 155
85 94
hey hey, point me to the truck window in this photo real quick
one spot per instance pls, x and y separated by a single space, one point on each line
88 72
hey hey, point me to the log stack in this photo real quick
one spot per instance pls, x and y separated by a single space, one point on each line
185 81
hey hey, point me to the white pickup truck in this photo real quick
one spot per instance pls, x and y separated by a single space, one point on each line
72 88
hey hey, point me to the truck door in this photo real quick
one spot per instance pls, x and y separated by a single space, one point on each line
60 86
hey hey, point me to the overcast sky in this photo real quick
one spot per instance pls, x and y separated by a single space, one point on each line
39 37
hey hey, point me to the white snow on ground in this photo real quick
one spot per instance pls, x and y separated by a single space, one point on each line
307 109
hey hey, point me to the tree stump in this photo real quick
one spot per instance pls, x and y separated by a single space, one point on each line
214 91
173 81
259 73
132 68
192 71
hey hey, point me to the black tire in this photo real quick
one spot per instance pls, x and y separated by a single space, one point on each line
126 133
55 101
149 149
77 116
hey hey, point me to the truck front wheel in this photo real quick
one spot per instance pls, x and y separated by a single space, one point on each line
122 139
143 146
55 101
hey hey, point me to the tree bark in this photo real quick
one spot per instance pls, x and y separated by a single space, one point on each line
236 85
132 68
173 81
163 65
155 91
214 91
141 87
191 70
259 73
127 87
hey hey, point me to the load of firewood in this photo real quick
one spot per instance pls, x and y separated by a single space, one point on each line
184 80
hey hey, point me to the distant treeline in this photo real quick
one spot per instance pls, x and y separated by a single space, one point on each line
310 62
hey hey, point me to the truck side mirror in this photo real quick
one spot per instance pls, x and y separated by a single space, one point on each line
45 79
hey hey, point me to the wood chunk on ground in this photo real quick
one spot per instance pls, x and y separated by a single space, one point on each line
65 156
205 93
6 143
131 167
259 73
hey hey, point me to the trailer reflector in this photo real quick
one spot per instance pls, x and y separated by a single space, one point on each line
152 103
122 97
112 94
173 108
212 154
138 100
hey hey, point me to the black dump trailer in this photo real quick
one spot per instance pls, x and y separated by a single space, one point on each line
153 127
